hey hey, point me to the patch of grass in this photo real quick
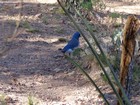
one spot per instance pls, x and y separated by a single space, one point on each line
32 30
87 5
104 78
114 15
59 11
25 24
28 27
45 20
90 58
60 30
2 100
77 52
31 100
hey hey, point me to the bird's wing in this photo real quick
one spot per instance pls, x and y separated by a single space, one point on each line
71 45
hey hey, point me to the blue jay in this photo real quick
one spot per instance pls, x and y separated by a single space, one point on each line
72 44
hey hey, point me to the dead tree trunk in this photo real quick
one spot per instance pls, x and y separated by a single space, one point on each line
128 48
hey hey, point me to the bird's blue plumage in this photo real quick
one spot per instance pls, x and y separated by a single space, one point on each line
72 44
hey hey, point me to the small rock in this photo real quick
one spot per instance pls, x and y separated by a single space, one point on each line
8 99
50 77
39 15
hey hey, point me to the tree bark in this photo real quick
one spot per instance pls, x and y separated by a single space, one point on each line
128 48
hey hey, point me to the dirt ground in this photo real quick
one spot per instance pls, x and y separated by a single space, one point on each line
35 68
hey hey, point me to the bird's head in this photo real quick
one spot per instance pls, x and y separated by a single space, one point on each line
76 35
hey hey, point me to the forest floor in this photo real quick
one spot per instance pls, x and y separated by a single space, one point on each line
34 69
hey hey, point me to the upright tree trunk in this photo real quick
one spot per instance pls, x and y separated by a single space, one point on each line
128 48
